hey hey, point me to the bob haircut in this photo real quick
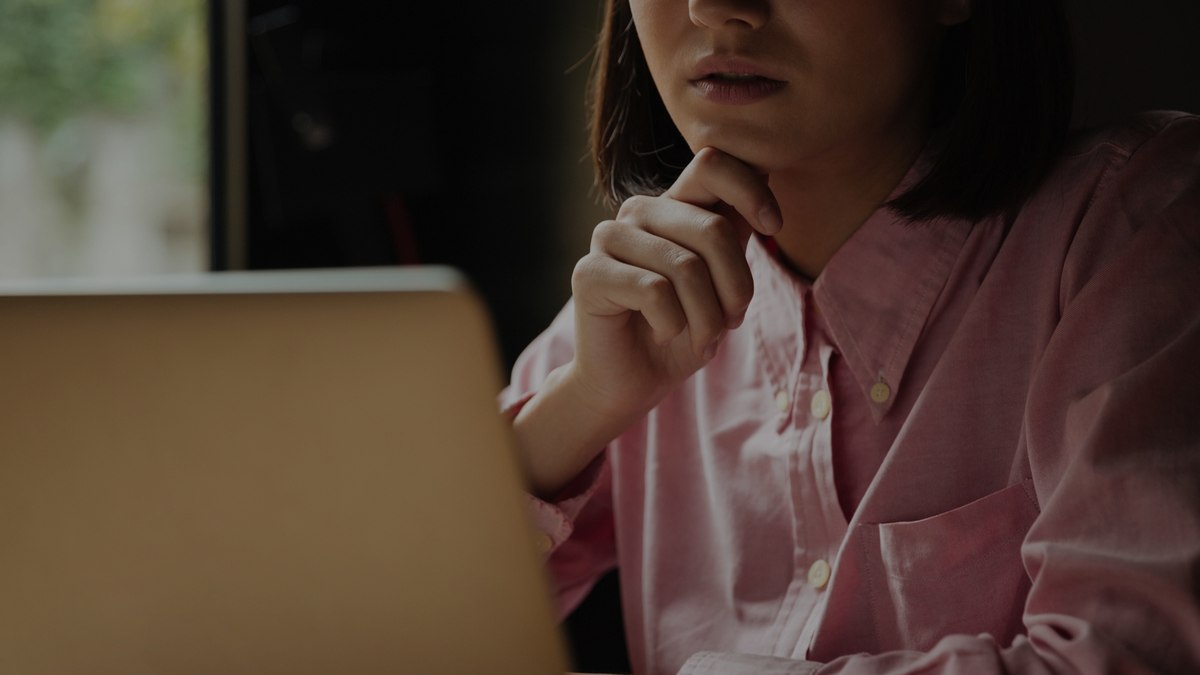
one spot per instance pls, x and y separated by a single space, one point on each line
1001 109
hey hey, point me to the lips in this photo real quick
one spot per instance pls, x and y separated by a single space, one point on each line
740 78
732 67
734 80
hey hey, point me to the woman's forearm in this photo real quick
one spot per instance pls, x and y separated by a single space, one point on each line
561 430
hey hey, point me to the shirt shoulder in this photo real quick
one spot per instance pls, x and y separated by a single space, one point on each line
1130 189
1142 172
1126 136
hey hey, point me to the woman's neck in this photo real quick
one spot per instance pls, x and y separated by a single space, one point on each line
825 201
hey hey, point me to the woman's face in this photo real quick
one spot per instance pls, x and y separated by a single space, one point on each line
783 83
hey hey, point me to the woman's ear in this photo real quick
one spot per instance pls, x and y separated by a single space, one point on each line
953 12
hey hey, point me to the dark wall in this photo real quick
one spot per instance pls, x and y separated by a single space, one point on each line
385 133
1135 55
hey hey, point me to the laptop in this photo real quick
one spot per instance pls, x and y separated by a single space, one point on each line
276 472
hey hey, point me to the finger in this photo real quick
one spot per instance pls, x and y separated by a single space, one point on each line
743 230
604 286
714 177
687 270
719 241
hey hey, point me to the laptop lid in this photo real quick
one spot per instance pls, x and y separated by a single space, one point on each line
261 473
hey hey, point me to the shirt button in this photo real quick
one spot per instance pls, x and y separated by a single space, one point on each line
818 574
544 543
821 404
881 392
782 401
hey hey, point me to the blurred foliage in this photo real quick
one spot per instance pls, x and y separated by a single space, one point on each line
63 58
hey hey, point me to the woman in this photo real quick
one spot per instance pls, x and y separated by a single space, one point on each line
866 375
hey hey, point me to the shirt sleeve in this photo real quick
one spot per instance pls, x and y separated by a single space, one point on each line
1113 431
577 523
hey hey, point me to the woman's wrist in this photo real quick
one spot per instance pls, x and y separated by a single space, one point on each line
563 427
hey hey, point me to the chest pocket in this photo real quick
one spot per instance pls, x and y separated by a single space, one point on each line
959 572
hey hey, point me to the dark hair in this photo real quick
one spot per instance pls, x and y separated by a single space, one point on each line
1001 110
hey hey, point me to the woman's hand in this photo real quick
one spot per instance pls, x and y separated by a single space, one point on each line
665 280
662 284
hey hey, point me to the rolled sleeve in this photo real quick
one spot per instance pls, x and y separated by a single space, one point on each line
576 525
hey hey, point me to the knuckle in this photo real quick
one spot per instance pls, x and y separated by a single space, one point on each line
584 272
717 226
691 268
661 302
604 232
656 288
633 206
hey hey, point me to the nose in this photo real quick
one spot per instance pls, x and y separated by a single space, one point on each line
751 14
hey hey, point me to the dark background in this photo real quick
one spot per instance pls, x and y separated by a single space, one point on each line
401 133
453 133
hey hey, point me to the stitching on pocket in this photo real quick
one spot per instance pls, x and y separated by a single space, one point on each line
868 566
906 546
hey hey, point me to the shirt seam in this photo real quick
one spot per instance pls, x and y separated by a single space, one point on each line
869 568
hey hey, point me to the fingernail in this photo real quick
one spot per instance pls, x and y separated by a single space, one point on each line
736 321
770 218
710 351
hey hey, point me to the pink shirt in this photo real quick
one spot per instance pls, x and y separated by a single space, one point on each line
963 449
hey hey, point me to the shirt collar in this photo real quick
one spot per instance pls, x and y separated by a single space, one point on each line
873 298
876 294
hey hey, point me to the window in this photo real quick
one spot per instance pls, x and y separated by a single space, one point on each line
103 137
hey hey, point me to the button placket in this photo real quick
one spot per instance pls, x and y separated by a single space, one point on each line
832 519
787 395
780 377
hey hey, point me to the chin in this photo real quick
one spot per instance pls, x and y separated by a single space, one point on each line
759 148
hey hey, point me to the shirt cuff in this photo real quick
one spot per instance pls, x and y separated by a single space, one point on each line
729 663
511 410
555 518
